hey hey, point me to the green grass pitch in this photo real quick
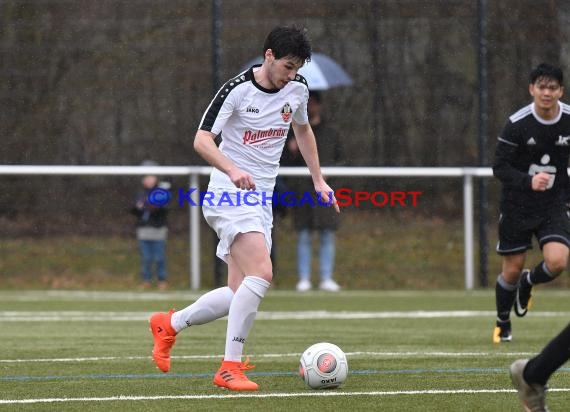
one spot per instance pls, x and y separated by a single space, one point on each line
407 351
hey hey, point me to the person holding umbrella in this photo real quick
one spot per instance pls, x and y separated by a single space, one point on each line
322 73
309 218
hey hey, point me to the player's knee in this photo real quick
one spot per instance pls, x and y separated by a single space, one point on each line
556 265
265 271
511 275
267 277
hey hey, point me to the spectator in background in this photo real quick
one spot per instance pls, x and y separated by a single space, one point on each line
308 218
152 231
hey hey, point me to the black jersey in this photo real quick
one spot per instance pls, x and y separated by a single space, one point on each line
528 145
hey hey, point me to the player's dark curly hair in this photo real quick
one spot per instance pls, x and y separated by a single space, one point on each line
288 41
546 71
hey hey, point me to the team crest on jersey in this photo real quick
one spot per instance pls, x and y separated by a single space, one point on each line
286 113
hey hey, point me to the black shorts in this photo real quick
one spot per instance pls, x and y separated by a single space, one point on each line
516 230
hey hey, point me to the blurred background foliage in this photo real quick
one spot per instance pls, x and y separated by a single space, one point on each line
115 82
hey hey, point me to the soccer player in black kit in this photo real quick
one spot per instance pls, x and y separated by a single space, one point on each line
530 376
531 161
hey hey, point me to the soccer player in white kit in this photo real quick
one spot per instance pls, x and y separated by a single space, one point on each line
253 112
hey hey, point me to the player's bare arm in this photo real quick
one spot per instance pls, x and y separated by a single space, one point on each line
308 148
206 147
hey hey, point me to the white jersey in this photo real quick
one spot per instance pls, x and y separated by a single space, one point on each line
254 123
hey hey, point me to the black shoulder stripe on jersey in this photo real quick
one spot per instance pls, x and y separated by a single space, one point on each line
218 101
301 79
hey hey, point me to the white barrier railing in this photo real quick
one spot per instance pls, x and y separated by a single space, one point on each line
194 173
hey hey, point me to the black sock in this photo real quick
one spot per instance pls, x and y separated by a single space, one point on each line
541 367
540 274
504 298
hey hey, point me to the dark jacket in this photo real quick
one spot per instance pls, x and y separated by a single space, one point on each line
308 216
148 215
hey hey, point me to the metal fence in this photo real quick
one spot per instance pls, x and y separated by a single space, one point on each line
195 172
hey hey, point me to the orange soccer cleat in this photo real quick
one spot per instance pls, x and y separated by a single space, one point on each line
164 337
231 375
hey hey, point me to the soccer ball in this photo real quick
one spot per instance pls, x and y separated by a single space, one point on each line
323 366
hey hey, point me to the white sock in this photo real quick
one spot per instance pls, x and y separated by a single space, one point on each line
210 306
243 310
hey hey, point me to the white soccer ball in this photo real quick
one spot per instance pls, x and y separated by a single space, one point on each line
323 365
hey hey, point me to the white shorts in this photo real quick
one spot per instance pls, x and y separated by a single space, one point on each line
230 220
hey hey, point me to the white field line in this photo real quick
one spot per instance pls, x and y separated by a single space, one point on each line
83 316
94 296
267 395
278 355
190 295
97 295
